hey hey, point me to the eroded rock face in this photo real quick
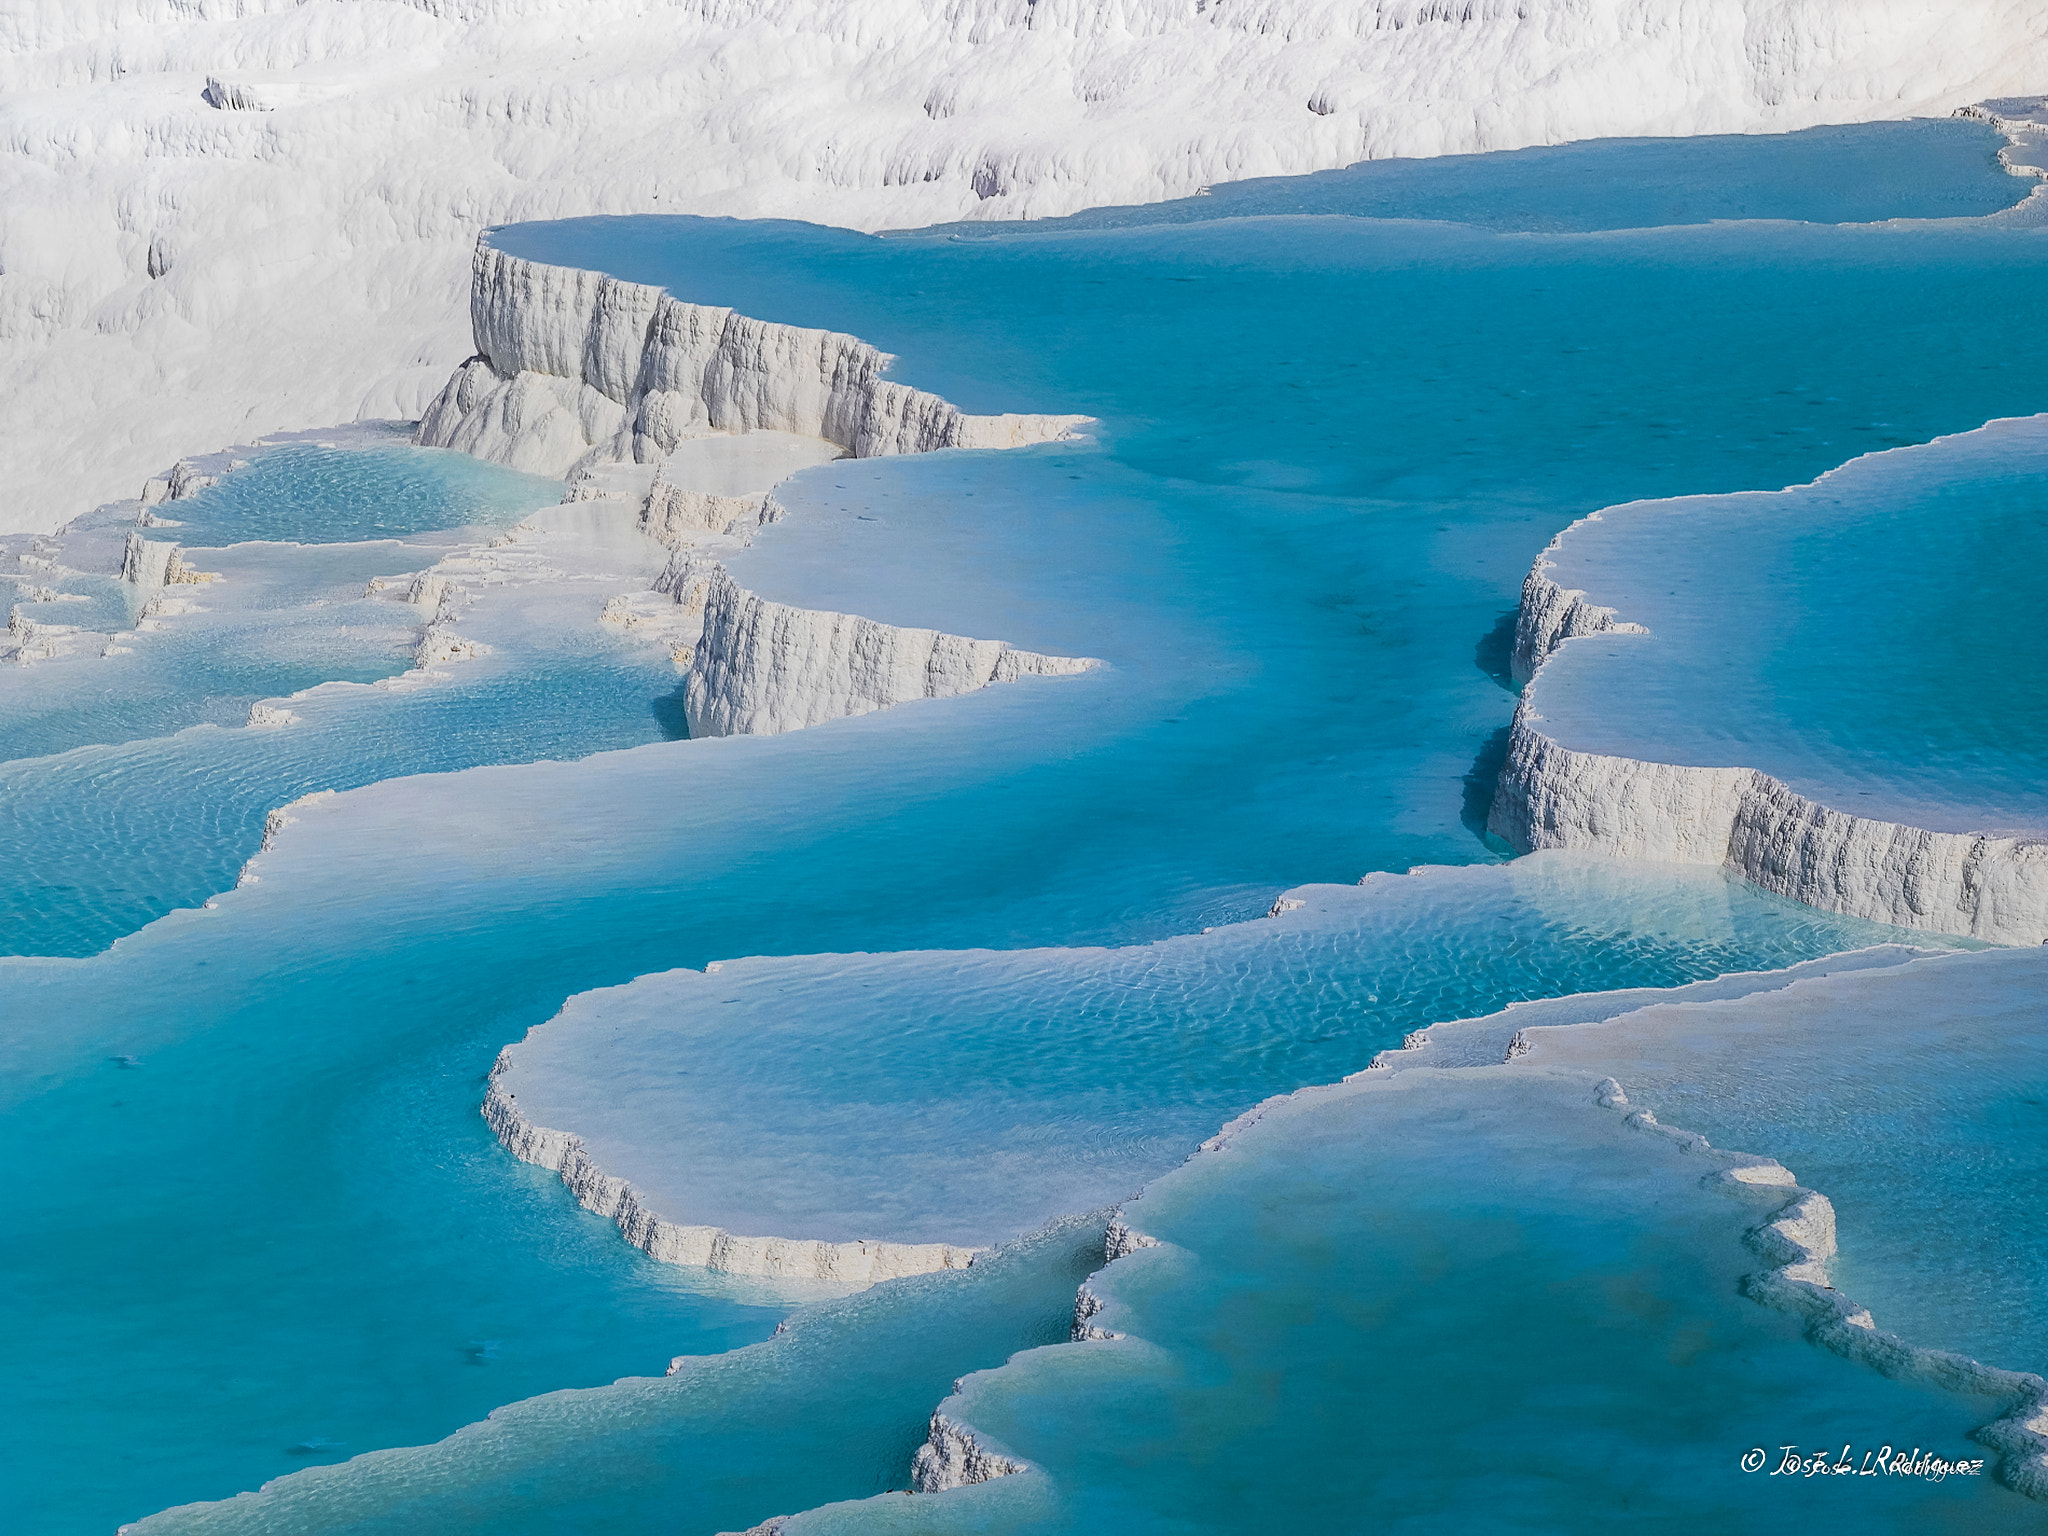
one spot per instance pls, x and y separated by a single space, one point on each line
574 365
861 1262
1552 796
953 1456
761 668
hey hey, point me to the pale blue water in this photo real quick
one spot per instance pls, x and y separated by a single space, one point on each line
313 493
968 1096
284 616
1330 448
839 1400
1914 1099
101 840
1405 1311
1923 169
1875 640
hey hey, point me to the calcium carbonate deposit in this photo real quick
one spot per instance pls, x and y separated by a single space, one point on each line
1213 864
220 218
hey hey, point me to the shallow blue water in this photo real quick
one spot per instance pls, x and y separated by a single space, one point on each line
968 1096
315 493
1923 169
101 840
283 615
1445 1304
839 1400
1875 639
1914 1099
1330 448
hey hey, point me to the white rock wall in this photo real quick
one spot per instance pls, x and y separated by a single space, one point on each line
761 668
225 218
1552 614
572 364
1992 888
856 1263
1551 796
953 1456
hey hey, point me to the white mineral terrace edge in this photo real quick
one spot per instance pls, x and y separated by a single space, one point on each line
1798 1241
1551 796
861 1262
620 386
221 220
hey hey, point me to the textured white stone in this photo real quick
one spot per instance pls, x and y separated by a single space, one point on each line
1552 796
760 668
955 1456
1973 884
1552 614
858 1262
180 270
574 365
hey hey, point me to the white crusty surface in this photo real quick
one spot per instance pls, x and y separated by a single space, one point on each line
955 1456
856 1263
761 668
582 375
225 218
1971 884
573 365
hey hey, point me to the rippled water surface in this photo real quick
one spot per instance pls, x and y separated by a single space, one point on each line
1404 1302
1874 639
260 1222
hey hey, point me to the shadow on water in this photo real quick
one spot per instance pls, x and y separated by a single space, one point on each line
669 716
1480 780
1495 652
1493 656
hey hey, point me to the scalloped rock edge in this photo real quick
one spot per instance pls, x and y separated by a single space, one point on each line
1550 796
861 1262
574 366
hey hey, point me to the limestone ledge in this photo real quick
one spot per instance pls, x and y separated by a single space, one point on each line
861 1262
759 667
955 1456
1799 1242
574 365
1551 796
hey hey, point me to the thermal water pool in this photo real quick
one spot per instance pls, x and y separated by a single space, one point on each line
1329 450
1431 1301
295 533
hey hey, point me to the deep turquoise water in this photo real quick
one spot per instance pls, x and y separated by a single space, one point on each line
839 1400
1330 447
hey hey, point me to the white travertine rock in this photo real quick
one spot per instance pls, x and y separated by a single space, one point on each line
677 517
1552 614
1800 1240
179 269
862 1262
150 565
761 668
1552 796
573 365
954 1456
1972 884
145 563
